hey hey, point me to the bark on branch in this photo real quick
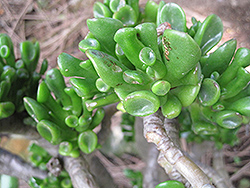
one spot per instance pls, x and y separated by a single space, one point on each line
79 173
13 165
154 131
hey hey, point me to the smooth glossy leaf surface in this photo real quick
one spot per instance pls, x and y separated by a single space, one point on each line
210 92
209 33
173 14
100 10
219 60
170 184
126 15
181 54
228 119
87 141
141 103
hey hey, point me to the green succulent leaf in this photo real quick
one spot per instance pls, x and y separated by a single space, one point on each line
179 57
6 109
70 67
30 54
172 108
210 92
241 106
173 14
56 84
228 119
89 43
170 183
209 33
204 128
150 11
87 141
101 11
126 15
6 49
35 109
141 103
104 30
115 5
219 60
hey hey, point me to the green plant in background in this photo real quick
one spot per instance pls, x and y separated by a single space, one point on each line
135 177
65 120
145 60
18 76
128 129
40 158
8 181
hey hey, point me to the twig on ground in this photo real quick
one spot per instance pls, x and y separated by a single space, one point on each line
219 166
237 175
24 11
13 165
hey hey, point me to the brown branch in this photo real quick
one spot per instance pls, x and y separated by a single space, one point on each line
173 132
79 172
13 165
154 132
217 179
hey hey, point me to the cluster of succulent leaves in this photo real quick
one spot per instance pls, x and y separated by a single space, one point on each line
39 158
18 76
62 116
175 71
145 59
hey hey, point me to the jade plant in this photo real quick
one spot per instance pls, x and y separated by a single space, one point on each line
149 64
39 157
19 77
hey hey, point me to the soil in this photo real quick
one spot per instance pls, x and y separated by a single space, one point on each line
60 25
